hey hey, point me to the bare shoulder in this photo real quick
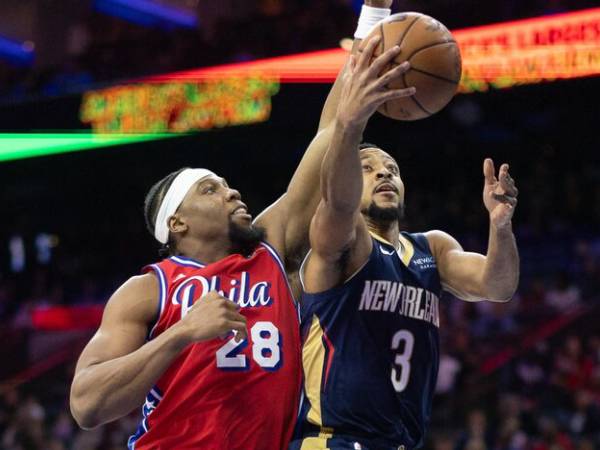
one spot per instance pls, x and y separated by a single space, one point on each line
125 321
325 270
441 242
135 300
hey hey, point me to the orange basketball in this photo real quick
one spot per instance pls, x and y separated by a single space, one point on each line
435 63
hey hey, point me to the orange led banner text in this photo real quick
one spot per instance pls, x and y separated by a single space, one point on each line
530 51
499 55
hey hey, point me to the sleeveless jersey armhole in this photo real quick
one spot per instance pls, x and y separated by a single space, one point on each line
338 286
301 271
162 294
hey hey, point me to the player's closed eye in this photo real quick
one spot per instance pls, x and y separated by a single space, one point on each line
367 168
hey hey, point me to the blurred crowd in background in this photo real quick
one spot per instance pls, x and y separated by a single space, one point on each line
547 399
518 376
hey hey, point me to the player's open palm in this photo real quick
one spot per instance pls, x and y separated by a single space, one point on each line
499 194
213 316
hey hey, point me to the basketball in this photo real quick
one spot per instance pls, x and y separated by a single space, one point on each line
435 61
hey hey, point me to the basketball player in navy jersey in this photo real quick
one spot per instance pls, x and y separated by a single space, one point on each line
370 311
158 344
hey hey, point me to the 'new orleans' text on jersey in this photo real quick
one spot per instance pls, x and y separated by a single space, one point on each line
370 352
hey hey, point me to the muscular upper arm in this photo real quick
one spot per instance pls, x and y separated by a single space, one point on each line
125 321
461 273
288 219
340 244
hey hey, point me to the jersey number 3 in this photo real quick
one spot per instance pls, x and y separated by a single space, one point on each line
401 369
266 349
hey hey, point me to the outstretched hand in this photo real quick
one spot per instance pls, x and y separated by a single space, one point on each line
499 194
365 87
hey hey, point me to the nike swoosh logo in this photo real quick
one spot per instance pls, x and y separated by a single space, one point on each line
385 252
179 277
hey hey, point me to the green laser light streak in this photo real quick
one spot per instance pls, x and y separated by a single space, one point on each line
29 145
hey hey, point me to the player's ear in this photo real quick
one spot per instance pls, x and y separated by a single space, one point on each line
177 224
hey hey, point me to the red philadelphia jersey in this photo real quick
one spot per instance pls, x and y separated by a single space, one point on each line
225 394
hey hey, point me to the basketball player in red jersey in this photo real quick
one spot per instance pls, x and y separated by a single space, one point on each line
207 340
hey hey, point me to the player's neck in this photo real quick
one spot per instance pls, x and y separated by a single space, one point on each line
207 252
388 231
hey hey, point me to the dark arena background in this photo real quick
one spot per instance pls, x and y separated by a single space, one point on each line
91 115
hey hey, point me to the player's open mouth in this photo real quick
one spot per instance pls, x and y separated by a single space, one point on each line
386 187
241 211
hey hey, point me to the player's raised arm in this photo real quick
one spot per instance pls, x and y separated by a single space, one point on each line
372 12
287 220
495 276
117 368
337 227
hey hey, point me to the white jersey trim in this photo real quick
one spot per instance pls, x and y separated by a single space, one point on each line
187 262
162 289
301 271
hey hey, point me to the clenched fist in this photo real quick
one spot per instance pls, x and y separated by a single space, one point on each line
212 316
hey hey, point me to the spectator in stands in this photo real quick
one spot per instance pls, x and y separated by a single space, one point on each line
477 436
510 435
585 416
443 441
552 438
531 300
572 368
564 295
495 319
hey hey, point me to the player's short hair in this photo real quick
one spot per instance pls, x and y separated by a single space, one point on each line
152 203
365 145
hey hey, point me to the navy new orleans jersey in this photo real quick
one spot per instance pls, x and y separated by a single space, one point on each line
370 352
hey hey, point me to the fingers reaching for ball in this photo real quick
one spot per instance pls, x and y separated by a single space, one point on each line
394 74
372 81
383 61
435 63
366 55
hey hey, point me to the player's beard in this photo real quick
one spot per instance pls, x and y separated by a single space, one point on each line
384 215
244 240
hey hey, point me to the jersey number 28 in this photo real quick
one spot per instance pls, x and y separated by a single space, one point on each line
266 350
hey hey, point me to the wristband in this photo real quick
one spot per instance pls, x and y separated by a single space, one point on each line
369 17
